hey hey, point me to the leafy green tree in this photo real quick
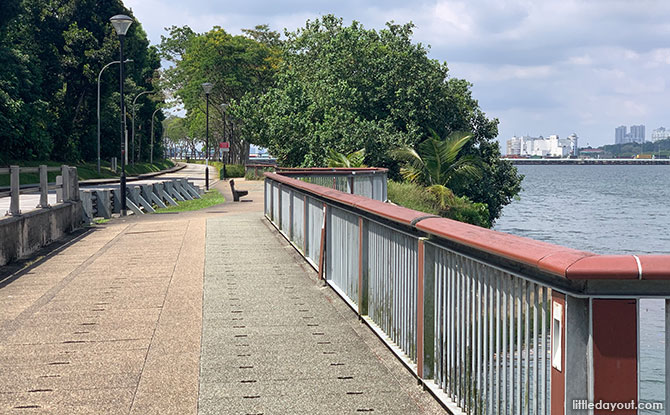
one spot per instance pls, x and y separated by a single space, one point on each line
50 54
346 87
236 65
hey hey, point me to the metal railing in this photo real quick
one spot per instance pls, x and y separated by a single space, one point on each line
365 181
66 186
479 316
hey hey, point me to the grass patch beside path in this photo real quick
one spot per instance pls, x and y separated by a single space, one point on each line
211 198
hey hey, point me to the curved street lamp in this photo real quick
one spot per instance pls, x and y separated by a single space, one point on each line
207 87
133 133
151 157
121 24
99 76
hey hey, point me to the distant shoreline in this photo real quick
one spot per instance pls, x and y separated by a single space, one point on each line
589 162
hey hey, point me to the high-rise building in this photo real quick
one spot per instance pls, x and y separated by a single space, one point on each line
637 133
620 134
660 134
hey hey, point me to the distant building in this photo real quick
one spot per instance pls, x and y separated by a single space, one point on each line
620 134
636 134
552 146
660 134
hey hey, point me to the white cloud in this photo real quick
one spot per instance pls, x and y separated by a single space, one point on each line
541 67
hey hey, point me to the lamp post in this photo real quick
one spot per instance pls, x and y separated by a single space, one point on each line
132 139
99 76
121 24
151 156
224 155
207 87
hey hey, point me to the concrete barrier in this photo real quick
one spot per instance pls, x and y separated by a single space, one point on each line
22 235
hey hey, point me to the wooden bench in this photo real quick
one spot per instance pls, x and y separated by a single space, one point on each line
237 194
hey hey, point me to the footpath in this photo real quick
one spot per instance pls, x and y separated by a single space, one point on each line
207 312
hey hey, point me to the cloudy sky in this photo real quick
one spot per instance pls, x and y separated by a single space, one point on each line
540 66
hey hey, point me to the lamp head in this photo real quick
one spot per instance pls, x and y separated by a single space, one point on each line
121 23
207 87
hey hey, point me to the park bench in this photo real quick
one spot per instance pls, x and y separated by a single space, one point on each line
237 193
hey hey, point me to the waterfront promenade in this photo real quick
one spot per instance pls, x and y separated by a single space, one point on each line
208 312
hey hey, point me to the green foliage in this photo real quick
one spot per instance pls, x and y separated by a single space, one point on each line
342 88
234 170
355 159
439 162
235 65
630 150
209 199
438 200
50 55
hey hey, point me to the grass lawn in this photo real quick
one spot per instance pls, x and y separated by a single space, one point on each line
85 171
211 198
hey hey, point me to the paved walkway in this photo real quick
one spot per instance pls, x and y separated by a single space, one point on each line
207 312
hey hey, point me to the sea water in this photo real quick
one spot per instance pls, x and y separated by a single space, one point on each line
606 210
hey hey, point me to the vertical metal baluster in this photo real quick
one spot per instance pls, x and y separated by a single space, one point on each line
491 398
467 372
536 352
510 340
442 310
503 357
544 367
461 330
452 322
519 345
526 395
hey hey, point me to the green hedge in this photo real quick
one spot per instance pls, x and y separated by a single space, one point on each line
232 171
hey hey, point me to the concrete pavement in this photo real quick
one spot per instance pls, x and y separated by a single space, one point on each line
207 312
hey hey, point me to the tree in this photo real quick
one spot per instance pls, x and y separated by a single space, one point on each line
235 65
346 87
50 55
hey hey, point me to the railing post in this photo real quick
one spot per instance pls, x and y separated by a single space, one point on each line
44 187
615 351
322 250
305 233
74 189
557 336
667 357
15 190
278 220
362 267
427 278
419 309
65 174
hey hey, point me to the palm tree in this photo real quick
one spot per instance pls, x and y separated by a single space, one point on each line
350 160
437 163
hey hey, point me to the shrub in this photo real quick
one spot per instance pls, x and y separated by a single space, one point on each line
420 198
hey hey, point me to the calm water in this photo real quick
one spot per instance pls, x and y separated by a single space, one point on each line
606 210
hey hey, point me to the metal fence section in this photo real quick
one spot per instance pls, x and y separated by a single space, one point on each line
368 182
342 258
494 355
392 280
492 323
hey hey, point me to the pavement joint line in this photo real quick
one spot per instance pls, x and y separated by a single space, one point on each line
160 314
11 326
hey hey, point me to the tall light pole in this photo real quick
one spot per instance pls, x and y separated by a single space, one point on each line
99 76
207 87
121 24
151 157
133 133
224 155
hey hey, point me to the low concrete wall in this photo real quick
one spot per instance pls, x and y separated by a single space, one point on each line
25 234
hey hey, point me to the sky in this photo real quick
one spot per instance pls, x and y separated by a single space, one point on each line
541 67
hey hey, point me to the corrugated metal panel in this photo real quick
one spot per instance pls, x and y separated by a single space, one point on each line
363 186
392 271
275 203
285 210
298 231
342 252
314 224
268 197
